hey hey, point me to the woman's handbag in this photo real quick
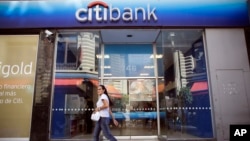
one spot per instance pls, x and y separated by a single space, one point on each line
95 116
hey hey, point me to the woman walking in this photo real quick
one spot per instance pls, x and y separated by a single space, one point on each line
103 106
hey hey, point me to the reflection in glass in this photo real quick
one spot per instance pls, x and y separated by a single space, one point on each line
128 72
75 84
185 98
134 109
128 60
77 51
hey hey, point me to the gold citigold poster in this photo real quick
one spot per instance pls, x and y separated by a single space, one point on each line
18 55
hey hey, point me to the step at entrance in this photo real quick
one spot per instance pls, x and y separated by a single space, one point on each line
135 138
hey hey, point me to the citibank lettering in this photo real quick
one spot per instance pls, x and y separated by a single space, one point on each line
104 13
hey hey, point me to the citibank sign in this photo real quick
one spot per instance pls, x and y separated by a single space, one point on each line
103 12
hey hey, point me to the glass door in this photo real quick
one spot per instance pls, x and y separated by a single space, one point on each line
128 74
134 106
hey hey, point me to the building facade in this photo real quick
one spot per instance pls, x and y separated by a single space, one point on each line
175 70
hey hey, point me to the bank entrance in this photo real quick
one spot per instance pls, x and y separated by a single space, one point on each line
157 80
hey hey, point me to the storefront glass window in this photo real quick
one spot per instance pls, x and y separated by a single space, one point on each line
172 69
184 96
76 79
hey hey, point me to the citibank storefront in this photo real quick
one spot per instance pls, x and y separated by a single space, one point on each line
161 62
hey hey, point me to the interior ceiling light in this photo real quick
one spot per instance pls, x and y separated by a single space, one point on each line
157 56
172 34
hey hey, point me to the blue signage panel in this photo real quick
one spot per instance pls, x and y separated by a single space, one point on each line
112 13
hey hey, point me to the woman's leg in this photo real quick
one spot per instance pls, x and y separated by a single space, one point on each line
97 130
106 130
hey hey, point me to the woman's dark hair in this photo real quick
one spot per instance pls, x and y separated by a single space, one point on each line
106 92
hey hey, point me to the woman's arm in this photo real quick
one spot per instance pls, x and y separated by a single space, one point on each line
113 118
110 112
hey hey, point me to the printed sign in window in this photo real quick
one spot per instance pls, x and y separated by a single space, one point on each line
17 77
